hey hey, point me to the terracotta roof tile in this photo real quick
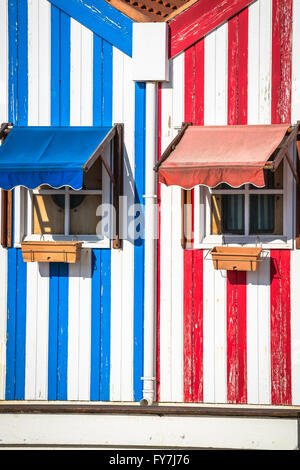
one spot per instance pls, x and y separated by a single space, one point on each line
151 10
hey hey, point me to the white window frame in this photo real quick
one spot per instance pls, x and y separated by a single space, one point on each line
24 209
202 216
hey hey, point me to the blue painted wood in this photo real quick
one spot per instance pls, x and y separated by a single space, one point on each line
139 245
60 68
102 82
102 19
16 325
18 61
58 331
100 324
58 272
101 259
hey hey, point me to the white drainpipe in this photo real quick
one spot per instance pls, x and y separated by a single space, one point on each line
150 245
150 65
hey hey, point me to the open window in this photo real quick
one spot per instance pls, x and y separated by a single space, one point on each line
67 184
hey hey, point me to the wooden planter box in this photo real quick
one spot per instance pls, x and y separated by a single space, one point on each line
55 252
236 258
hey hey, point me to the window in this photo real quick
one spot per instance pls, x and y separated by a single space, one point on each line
49 214
246 215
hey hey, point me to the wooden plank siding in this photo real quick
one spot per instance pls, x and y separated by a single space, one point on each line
240 339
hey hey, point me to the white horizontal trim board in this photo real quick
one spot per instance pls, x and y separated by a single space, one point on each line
149 431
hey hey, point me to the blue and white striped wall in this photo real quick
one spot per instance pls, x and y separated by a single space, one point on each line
71 332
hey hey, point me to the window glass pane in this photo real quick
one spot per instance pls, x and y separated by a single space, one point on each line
266 214
226 186
48 217
83 218
233 213
227 214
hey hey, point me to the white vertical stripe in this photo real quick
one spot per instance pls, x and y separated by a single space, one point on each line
122 262
3 317
166 299
295 327
296 64
177 251
37 308
39 58
81 75
3 62
37 328
214 282
116 255
259 62
128 247
215 76
258 334
214 334
79 328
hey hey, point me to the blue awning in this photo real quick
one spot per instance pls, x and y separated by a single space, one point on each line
32 156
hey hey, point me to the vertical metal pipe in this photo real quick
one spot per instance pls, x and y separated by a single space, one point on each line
150 245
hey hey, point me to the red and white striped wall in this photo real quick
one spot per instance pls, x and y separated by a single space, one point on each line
230 337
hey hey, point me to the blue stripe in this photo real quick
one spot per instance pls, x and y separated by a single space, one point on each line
58 331
102 19
139 246
58 272
18 62
100 325
101 259
60 68
103 82
16 325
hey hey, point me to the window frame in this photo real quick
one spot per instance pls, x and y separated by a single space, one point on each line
202 216
24 210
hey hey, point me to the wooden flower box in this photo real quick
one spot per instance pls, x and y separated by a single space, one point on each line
55 252
236 258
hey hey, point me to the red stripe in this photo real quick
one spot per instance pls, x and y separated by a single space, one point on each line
280 259
236 337
280 327
237 281
238 68
193 326
282 16
158 252
193 259
200 19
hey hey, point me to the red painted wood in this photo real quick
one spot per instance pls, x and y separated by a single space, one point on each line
282 16
158 253
198 326
193 259
280 327
280 259
236 337
237 280
188 356
200 19
193 326
238 68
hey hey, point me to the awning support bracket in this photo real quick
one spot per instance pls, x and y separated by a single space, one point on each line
172 145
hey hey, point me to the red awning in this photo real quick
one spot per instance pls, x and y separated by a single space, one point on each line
210 155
